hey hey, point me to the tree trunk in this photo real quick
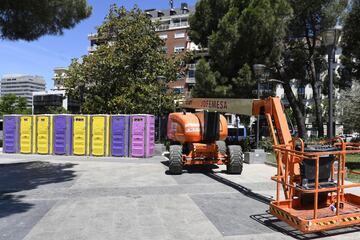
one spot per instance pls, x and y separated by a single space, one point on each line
294 104
318 111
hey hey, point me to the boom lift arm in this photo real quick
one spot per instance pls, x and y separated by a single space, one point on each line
271 108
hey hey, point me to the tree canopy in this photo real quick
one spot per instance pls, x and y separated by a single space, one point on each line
31 19
349 104
351 43
11 104
128 71
282 34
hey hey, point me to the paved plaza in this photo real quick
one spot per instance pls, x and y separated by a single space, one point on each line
54 197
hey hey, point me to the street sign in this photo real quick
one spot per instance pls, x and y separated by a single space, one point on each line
237 106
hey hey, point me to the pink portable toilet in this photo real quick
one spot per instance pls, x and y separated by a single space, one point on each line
142 135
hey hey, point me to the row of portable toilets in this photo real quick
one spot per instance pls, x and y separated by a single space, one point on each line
95 135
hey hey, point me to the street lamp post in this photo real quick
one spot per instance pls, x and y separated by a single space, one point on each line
259 70
161 82
330 39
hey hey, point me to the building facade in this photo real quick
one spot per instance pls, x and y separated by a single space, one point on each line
56 98
22 86
53 101
59 77
173 30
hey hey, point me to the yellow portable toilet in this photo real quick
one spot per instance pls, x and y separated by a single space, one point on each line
27 134
44 134
100 136
81 135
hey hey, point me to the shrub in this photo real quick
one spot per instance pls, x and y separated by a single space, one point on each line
266 144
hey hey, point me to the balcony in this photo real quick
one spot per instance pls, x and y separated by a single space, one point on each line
191 66
165 27
92 48
190 80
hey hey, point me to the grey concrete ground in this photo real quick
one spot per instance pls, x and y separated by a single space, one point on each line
52 197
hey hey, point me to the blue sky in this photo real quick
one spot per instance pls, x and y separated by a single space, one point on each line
42 56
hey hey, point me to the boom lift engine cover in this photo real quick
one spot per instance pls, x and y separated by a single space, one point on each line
198 139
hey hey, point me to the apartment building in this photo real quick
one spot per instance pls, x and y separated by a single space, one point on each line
173 29
58 77
22 85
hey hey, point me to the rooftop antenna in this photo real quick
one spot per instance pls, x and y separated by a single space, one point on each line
171 2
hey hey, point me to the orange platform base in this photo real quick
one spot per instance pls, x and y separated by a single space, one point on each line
326 219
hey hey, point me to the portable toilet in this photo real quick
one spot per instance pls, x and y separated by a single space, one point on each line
99 135
119 136
27 134
142 135
62 140
80 140
11 130
44 134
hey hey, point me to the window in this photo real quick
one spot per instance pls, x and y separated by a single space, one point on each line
178 90
191 73
163 36
179 49
179 34
164 49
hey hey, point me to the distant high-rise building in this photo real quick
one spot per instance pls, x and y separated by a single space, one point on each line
22 85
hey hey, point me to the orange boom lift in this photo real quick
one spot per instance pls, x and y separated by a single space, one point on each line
312 177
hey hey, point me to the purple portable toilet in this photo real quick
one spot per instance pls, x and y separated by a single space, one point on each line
11 136
62 139
142 140
119 136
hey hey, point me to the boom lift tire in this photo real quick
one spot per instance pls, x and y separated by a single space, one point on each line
175 159
235 165
221 147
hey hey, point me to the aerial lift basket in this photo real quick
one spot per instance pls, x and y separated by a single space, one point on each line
313 181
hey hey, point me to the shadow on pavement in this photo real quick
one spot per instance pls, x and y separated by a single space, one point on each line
11 204
275 224
193 169
18 177
240 188
207 170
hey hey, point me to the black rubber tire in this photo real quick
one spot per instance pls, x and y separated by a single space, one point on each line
175 159
236 159
221 147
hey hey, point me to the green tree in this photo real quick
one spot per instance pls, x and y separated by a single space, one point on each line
30 19
21 106
206 84
206 19
349 104
127 73
283 34
11 104
351 44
